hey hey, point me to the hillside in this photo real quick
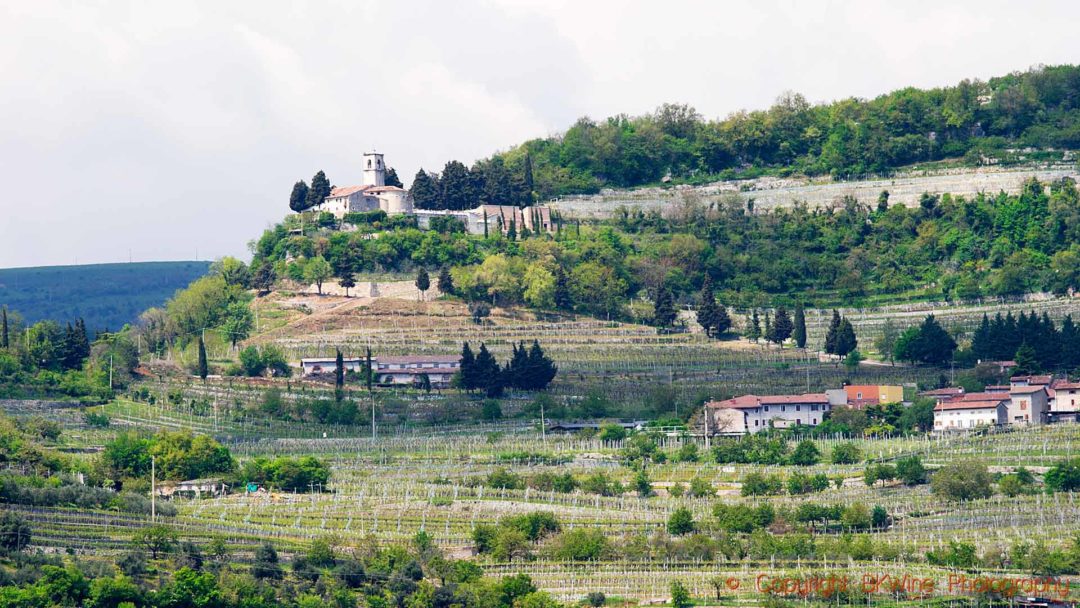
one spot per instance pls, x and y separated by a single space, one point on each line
1016 118
103 295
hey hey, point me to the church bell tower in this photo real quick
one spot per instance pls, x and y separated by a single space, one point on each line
374 170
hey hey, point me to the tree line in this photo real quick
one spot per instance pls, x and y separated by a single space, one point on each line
528 369
1034 342
850 137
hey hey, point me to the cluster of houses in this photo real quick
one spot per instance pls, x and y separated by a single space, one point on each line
408 370
373 195
1026 400
753 413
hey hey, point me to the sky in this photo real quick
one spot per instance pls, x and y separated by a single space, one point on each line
164 130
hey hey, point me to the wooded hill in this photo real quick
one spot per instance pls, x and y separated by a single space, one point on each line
975 121
103 295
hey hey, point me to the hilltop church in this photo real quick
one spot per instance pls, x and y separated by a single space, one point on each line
373 194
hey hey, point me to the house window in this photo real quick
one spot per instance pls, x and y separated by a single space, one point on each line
783 408
798 408
1023 405
766 408
756 422
858 395
798 421
815 421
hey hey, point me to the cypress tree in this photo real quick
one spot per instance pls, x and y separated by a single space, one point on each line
4 343
339 373
468 368
845 339
800 326
562 290
319 190
768 327
204 369
664 308
782 326
528 180
753 332
542 370
706 314
369 371
446 281
423 282
488 373
830 335
485 224
298 198
512 232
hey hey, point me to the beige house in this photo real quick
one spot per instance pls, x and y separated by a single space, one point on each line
961 415
751 413
1028 405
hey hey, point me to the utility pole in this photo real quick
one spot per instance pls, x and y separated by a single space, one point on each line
110 371
543 427
153 489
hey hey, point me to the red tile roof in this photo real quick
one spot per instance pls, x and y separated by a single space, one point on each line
1025 390
418 359
346 191
1000 396
1044 379
754 401
968 405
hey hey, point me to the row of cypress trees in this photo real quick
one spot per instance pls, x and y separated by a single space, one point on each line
528 369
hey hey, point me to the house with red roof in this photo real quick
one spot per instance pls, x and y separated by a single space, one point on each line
753 413
978 411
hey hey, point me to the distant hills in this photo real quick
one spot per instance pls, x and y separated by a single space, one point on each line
103 295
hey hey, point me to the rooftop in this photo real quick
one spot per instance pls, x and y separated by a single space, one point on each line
968 405
755 401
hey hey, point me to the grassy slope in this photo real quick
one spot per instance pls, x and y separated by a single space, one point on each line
104 295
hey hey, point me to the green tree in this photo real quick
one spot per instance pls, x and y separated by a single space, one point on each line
238 322
1063 476
423 282
663 308
317 271
681 522
753 331
4 341
266 563
15 533
782 327
348 281
203 368
680 596
1027 361
805 454
264 278
886 341
799 332
156 539
446 282
319 190
298 198
392 179
911 470
852 361
425 191
964 480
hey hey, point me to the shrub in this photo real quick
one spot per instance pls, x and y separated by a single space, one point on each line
1063 476
911 470
962 481
700 488
846 453
758 484
805 454
581 545
681 522
15 533
680 596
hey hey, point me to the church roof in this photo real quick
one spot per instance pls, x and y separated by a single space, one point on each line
347 190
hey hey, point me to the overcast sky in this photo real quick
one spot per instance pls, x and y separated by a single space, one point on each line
169 128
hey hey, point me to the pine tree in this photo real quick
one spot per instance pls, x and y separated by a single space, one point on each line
446 281
512 232
542 370
664 308
721 321
830 335
369 370
753 331
527 180
4 341
706 313
485 224
204 369
1026 361
980 340
782 326
800 326
339 372
348 281
425 191
768 327
392 179
845 339
298 198
319 190
488 373
467 370
517 369
562 290
423 283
